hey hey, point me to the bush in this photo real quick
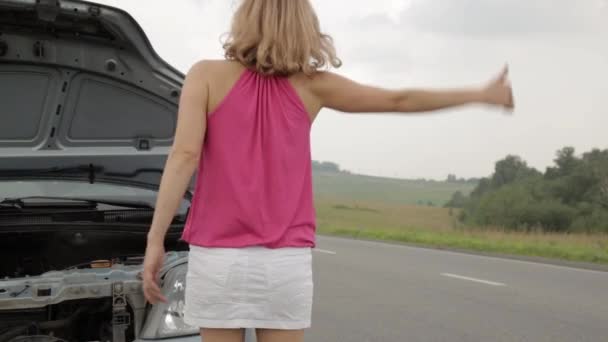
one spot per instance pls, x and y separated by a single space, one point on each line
549 215
572 196
594 222
515 207
458 200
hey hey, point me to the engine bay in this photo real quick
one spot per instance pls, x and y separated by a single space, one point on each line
89 304
97 302
77 281
75 320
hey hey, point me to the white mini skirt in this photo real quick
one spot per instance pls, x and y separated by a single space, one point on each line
250 287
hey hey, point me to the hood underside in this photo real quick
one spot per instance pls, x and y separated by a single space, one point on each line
80 85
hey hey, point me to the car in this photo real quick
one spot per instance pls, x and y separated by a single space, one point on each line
87 118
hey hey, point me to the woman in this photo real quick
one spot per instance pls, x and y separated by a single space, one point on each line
245 123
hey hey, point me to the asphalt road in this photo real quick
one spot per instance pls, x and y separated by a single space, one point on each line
371 291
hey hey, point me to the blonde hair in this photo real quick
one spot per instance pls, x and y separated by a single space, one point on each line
279 37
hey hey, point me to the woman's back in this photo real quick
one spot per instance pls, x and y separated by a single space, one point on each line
254 185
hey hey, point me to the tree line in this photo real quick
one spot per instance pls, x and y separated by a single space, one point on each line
570 196
453 179
326 166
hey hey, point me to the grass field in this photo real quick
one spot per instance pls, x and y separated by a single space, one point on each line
385 209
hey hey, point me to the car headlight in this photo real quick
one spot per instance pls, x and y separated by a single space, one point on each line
167 319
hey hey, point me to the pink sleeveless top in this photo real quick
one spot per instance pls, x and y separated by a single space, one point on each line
254 181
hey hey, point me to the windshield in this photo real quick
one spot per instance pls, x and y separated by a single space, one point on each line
84 190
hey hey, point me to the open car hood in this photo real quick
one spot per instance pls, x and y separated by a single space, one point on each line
81 88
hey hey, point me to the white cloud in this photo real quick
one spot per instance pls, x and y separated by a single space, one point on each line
504 17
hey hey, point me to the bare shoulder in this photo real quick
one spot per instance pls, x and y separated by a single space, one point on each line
310 82
319 84
218 77
213 69
305 87
323 80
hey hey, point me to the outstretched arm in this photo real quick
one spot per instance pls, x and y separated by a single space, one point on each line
340 93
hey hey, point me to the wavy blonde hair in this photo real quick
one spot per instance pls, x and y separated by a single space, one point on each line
279 37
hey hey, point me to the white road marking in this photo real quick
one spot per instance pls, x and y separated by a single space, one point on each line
324 251
487 282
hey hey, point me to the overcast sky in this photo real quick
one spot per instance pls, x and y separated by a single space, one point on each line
557 51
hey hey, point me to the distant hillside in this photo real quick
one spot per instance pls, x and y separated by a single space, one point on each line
333 184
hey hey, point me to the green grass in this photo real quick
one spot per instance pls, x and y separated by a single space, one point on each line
505 244
385 209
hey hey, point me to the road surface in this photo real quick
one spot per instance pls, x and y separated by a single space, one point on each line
371 291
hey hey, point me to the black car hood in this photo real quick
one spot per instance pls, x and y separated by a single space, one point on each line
82 88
